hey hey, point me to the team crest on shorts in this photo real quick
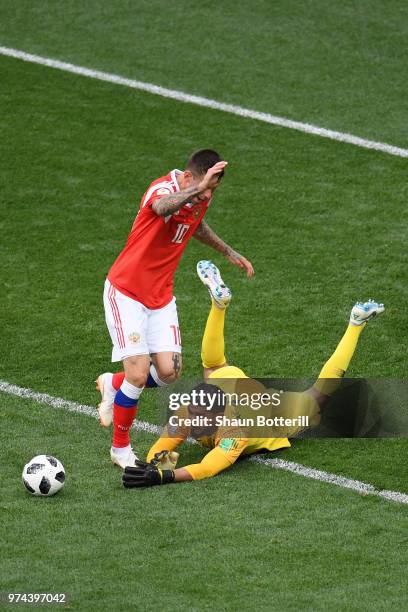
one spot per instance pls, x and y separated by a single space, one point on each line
134 338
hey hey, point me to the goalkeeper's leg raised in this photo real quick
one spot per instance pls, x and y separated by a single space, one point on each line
335 368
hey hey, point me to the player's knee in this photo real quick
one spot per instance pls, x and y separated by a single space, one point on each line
170 371
137 379
137 373
168 376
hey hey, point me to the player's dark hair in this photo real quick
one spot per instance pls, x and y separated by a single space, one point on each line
210 392
203 160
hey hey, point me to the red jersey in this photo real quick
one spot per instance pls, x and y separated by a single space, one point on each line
145 268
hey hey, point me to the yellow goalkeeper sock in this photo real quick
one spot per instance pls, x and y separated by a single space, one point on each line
212 348
335 368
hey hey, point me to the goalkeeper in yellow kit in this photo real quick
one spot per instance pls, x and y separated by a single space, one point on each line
227 444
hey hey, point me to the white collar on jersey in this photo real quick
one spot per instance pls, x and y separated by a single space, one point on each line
173 175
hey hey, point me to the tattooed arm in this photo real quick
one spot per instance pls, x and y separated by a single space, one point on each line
206 235
167 205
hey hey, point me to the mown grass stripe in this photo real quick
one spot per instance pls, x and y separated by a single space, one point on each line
340 481
182 96
296 468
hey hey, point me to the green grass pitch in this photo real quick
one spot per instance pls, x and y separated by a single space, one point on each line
323 223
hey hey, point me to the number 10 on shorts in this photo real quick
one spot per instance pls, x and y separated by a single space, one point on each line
177 335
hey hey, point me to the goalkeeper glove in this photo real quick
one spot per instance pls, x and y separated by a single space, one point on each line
145 475
165 460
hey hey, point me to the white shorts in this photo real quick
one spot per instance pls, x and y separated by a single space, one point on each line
137 330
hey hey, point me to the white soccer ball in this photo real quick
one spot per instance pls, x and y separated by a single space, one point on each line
44 475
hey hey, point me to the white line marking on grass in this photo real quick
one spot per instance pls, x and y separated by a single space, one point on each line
182 96
296 468
59 402
341 481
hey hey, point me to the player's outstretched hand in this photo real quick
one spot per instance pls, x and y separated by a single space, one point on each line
212 176
165 460
241 261
145 475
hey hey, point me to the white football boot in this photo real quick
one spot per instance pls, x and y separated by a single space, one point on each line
108 392
362 312
123 457
210 275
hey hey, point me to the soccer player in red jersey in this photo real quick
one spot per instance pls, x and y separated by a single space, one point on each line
140 308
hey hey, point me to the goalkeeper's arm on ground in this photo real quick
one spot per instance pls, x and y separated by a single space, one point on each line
164 443
149 474
212 464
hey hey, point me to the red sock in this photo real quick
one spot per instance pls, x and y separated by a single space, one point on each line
122 422
117 380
